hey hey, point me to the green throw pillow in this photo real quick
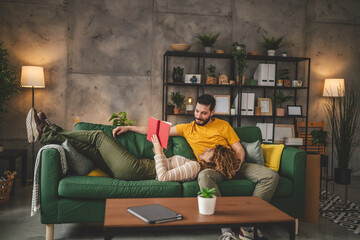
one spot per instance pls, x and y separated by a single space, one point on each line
253 152
78 164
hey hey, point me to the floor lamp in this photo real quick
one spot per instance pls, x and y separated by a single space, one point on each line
334 88
32 77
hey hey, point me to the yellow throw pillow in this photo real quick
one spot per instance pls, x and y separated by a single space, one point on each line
97 172
272 155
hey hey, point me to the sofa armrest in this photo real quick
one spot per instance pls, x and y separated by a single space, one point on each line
293 164
51 174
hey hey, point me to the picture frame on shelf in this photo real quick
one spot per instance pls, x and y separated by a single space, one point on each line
222 106
294 110
189 78
283 131
265 105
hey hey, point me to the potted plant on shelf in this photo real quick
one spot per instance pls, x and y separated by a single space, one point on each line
177 74
284 78
239 55
120 119
343 116
208 40
281 98
271 45
207 201
178 99
211 77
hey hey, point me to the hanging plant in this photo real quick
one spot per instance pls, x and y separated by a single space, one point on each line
239 55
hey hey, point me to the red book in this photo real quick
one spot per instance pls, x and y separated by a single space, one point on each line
161 129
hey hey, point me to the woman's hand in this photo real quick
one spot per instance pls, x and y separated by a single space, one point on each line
119 130
157 147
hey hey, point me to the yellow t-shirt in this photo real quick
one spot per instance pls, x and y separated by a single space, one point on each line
219 132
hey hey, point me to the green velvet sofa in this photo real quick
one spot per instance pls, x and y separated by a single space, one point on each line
81 199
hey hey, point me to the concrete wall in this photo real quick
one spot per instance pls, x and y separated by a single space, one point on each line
105 56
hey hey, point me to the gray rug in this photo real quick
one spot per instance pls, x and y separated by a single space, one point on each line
346 215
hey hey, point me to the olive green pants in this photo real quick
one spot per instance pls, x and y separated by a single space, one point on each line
265 178
104 151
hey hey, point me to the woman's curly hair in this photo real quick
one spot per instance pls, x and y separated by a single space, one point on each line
224 161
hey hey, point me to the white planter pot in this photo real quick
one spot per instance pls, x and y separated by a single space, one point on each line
232 111
208 49
271 52
206 205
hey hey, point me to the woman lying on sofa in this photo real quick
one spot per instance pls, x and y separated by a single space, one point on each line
107 154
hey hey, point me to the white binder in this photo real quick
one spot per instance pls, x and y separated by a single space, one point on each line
269 132
271 74
250 104
262 74
263 129
244 104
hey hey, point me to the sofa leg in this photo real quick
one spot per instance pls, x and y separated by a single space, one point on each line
296 226
49 231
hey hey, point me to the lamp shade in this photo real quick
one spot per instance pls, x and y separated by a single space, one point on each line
32 76
334 87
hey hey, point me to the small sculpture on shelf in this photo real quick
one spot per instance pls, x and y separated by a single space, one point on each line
223 79
193 79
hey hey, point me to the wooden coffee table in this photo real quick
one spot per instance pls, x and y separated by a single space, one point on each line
230 212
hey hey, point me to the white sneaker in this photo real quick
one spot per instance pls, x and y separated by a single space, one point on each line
249 235
227 236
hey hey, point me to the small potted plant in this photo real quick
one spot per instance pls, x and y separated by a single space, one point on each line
232 109
178 99
271 45
207 40
120 119
281 98
239 55
211 77
283 77
207 201
177 74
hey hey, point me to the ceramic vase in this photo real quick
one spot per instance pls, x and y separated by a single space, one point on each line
271 52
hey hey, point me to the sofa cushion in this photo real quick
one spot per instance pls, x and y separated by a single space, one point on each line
239 187
102 188
182 148
272 155
253 152
78 163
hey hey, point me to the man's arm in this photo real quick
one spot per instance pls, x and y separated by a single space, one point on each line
122 129
240 152
139 129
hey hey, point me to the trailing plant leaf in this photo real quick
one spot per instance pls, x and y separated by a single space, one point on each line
239 55
120 119
319 136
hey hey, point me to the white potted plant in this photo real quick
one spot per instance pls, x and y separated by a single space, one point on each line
208 40
207 201
271 45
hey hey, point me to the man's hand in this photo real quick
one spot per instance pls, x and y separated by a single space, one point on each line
119 130
158 150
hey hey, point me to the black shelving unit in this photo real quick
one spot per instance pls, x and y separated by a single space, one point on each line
238 89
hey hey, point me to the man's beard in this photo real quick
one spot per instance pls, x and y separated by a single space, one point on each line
204 121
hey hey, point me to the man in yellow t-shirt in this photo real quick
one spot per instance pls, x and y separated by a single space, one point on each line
205 132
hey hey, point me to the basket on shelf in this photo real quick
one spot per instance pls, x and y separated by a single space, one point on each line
6 185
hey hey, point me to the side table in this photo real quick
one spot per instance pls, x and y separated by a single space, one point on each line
11 155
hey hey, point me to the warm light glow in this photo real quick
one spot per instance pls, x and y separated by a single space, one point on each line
32 76
189 100
334 87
